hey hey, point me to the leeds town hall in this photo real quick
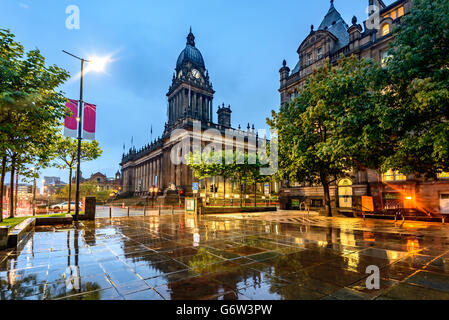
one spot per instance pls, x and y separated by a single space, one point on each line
149 171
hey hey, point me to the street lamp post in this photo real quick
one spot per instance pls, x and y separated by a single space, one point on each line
80 123
98 64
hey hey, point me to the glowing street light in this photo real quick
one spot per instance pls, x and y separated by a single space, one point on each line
98 64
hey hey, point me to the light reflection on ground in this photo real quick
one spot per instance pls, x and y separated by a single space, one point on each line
263 256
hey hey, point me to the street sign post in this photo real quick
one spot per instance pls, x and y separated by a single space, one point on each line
195 187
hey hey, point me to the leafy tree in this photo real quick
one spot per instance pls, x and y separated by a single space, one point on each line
87 189
239 166
330 128
66 150
211 165
31 108
414 89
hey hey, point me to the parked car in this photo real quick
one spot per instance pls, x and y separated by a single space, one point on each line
65 206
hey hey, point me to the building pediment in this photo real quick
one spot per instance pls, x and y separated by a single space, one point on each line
315 37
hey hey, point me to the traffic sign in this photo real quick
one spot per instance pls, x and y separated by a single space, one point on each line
195 187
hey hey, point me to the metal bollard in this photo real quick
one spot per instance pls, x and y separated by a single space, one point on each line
144 211
110 212
159 209
172 209
128 212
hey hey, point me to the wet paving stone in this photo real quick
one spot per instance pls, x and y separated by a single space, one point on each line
148 294
196 288
350 294
440 265
108 294
384 285
170 277
396 272
336 276
228 257
405 291
430 280
245 250
415 261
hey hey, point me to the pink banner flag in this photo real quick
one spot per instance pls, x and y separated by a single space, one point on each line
90 111
70 123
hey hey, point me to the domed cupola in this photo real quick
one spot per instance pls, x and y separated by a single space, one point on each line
190 94
190 54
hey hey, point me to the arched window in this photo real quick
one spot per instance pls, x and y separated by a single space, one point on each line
385 29
393 175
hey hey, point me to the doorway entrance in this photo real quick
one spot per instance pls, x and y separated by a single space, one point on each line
345 193
393 200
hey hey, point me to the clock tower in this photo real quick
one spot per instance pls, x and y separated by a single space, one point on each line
190 94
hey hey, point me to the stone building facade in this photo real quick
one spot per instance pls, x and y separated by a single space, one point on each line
150 171
330 40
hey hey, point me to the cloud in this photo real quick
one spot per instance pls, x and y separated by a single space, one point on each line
24 5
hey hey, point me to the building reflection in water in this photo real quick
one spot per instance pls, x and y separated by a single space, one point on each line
206 256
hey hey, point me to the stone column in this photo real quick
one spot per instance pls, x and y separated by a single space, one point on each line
143 177
173 106
195 104
147 176
178 109
152 173
211 115
200 107
181 101
158 166
139 185
206 117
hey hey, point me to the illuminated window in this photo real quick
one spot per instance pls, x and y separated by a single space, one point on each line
385 29
393 175
443 175
396 13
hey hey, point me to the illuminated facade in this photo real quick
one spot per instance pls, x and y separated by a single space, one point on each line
150 171
333 38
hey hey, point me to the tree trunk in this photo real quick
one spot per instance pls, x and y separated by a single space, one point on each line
255 194
16 191
2 184
244 194
70 189
11 186
241 194
205 191
327 197
224 191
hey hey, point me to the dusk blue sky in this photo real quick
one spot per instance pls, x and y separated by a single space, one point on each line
243 44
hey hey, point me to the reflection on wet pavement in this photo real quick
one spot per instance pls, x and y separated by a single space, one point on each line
226 257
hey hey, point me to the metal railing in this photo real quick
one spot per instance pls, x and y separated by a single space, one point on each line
136 211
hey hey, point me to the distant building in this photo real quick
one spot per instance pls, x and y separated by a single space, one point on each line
104 183
392 190
149 170
51 185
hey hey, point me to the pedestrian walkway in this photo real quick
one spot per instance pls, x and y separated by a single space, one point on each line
282 255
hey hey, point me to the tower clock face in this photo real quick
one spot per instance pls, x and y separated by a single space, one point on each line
196 73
